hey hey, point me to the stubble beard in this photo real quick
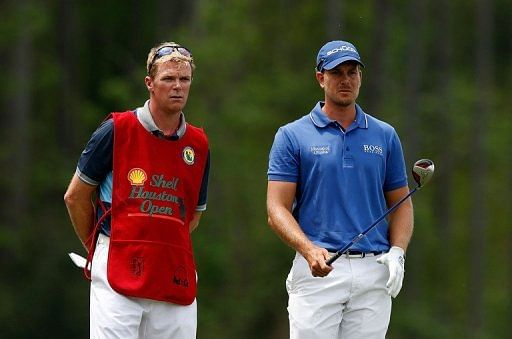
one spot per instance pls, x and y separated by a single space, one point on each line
346 100
343 102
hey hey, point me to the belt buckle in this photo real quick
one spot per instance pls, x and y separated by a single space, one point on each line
349 254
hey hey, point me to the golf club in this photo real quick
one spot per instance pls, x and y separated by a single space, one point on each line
422 172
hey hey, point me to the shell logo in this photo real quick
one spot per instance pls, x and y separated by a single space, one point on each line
137 176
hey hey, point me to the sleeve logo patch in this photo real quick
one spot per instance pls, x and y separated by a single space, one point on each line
137 176
189 155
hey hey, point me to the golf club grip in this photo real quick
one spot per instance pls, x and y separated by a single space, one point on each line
333 258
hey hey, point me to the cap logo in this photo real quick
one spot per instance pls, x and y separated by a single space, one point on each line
341 49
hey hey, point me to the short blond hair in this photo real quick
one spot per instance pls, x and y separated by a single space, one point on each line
152 64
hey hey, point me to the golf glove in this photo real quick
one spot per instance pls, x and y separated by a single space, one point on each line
395 261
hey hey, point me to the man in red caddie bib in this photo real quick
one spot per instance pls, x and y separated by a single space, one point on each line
146 170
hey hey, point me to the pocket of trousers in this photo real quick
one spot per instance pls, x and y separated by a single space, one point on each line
297 273
99 260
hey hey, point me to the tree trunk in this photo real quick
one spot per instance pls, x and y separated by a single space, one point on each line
334 22
18 111
414 68
66 117
170 15
376 56
478 165
443 126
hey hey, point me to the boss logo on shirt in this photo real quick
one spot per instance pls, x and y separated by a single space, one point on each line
374 149
320 150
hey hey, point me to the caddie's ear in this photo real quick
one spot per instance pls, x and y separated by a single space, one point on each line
149 83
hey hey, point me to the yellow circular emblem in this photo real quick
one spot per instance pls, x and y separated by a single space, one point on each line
189 155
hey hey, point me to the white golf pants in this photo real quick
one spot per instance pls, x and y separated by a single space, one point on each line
116 316
350 303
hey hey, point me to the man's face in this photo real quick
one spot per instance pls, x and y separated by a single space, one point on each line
341 84
170 86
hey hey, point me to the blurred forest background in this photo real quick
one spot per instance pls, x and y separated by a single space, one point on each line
440 71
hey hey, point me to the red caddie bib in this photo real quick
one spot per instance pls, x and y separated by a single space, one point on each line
155 190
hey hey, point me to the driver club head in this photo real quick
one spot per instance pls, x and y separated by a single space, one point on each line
422 171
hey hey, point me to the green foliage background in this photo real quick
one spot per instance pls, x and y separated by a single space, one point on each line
439 71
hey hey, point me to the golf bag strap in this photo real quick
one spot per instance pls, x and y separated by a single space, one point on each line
91 241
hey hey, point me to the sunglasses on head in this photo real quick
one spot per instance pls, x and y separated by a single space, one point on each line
166 50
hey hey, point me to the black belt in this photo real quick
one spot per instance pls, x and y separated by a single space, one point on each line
358 254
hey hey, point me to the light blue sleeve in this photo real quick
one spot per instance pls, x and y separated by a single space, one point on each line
106 189
396 172
284 158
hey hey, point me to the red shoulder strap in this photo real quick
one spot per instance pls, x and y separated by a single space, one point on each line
91 241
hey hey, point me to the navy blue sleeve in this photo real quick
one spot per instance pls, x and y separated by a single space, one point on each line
96 160
203 193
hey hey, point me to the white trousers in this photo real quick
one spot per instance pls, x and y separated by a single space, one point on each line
116 316
350 303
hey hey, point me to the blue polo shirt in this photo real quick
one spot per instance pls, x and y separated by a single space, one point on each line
341 176
95 163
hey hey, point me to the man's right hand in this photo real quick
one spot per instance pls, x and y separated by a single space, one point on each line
316 257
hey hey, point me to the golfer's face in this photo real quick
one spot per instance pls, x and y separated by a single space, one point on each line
171 85
341 84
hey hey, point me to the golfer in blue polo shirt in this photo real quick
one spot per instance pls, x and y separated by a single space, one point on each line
331 174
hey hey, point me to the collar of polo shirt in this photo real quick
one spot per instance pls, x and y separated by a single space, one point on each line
321 120
146 119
